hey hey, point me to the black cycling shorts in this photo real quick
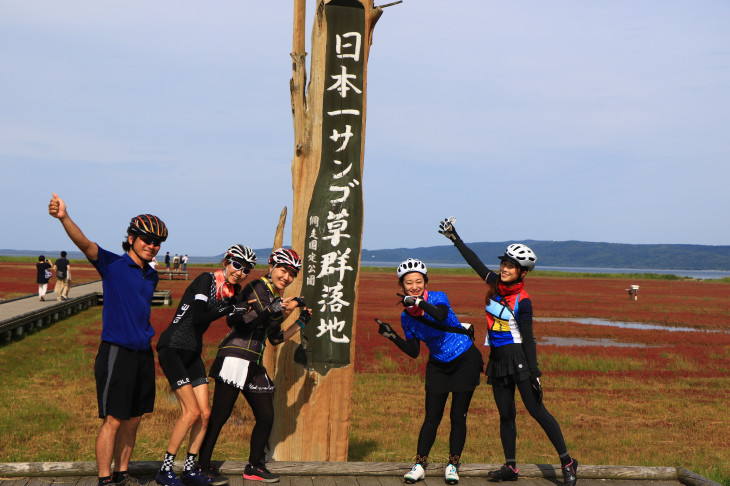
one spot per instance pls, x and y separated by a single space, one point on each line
125 381
182 367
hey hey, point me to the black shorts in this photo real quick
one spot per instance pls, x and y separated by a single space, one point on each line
125 381
507 365
458 375
182 367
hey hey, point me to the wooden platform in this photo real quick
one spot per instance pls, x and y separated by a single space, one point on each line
172 274
360 474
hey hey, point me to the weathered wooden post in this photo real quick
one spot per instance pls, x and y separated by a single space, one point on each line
312 402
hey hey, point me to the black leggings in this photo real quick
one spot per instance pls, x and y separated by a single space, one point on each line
435 404
224 398
504 397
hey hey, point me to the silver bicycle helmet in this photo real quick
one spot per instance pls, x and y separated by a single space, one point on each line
520 254
411 265
242 254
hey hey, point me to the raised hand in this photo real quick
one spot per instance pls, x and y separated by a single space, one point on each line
56 207
409 300
446 228
305 315
385 330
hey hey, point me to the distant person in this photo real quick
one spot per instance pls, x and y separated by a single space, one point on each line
167 260
125 364
43 275
185 263
513 352
153 263
176 262
454 364
62 268
209 297
260 311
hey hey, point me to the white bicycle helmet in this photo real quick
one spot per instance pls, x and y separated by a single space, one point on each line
520 254
242 254
411 265
285 257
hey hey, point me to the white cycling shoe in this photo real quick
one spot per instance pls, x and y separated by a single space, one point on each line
417 473
451 475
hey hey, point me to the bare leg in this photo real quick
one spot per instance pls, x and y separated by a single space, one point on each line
124 444
189 416
201 425
105 445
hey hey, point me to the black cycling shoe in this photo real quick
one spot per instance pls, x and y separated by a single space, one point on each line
570 472
505 473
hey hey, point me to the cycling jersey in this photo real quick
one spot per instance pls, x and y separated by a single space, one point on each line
443 346
249 330
198 308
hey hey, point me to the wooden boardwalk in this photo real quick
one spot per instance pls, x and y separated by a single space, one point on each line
360 474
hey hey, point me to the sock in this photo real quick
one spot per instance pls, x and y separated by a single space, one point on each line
105 481
189 462
168 462
512 463
565 459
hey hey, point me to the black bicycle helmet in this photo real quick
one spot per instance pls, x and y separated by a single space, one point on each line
148 225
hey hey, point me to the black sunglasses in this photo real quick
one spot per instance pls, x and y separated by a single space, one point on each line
239 267
148 240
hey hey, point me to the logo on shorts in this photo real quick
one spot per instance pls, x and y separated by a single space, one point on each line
183 382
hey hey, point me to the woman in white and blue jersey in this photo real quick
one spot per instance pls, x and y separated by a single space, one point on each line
513 352
454 363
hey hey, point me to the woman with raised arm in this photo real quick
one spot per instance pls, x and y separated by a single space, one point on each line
454 363
257 317
513 352
209 297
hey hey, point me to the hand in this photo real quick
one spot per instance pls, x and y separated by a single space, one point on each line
276 306
385 330
537 389
446 228
305 315
410 300
57 208
241 308
300 301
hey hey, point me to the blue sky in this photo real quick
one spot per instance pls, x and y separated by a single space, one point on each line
566 120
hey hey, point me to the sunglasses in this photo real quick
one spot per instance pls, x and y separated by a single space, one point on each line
147 240
239 267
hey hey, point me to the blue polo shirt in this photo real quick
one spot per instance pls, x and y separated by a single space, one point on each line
128 294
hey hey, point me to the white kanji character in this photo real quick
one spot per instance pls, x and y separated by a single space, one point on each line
332 326
339 45
343 84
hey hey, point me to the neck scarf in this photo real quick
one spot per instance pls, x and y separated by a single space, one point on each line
416 311
223 288
506 290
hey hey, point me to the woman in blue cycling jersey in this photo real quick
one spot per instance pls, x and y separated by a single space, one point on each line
513 352
454 363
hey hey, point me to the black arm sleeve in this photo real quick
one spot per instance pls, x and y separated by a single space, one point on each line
201 314
474 262
439 312
524 318
259 312
412 347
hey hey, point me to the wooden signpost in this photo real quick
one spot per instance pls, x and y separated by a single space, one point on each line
314 377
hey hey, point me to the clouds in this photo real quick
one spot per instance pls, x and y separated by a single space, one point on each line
551 117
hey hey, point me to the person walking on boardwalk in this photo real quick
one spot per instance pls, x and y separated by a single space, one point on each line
125 364
210 297
62 269
43 275
454 363
513 352
258 315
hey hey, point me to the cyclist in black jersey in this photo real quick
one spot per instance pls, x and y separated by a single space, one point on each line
209 297
513 352
259 313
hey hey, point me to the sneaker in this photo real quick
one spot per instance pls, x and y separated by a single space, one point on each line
505 473
258 472
451 475
126 480
214 477
417 473
570 472
167 478
195 477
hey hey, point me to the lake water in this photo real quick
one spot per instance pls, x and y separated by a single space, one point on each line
626 325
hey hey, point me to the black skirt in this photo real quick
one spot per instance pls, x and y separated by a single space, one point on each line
507 364
458 375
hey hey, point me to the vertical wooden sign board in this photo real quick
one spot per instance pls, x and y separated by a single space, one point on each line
314 379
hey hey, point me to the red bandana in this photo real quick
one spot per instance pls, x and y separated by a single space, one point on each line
416 311
223 288
506 290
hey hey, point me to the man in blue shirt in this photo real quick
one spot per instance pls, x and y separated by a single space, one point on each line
124 366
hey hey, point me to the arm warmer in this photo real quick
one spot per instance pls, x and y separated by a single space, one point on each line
439 312
474 262
528 338
412 347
